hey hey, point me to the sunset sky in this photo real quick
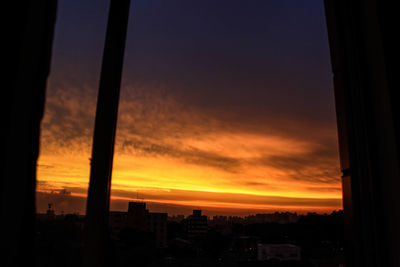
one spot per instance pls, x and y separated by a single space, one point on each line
225 105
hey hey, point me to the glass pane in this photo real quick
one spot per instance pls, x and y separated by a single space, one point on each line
227 106
67 126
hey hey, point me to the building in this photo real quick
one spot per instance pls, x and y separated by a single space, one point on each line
196 224
137 214
281 252
176 218
117 221
156 223
277 217
138 217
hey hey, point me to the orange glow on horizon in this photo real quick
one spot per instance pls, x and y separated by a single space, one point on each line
177 180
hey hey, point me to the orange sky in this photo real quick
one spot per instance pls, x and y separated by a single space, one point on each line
229 109
205 163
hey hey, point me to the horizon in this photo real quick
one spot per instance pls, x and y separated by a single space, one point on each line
172 210
210 214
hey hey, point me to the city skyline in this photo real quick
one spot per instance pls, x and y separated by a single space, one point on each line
287 238
228 108
265 217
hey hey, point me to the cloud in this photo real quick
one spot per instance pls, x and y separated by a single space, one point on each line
69 120
318 166
256 184
237 198
189 155
44 166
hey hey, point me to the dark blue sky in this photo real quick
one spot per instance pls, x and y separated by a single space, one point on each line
255 57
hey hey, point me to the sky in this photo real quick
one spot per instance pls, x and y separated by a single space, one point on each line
225 105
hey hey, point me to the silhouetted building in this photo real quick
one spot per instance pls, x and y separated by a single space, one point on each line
118 220
157 224
277 217
196 224
139 218
137 215
281 252
236 219
176 218
219 220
